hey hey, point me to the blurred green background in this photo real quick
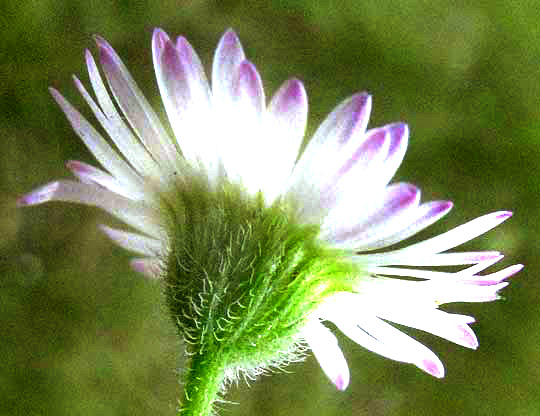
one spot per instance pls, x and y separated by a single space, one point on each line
81 334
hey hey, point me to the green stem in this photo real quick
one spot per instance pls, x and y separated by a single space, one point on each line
202 385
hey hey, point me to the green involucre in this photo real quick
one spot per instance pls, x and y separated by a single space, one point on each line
242 277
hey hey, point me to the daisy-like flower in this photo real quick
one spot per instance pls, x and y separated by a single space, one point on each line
258 245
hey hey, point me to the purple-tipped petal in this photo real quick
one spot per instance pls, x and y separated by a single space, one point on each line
399 134
134 242
325 347
89 174
461 291
149 267
351 119
372 151
40 195
159 38
397 257
229 54
247 87
425 215
493 278
339 188
398 205
131 212
316 170
348 119
177 76
290 102
286 119
138 111
186 96
350 314
432 367
458 235
102 151
451 327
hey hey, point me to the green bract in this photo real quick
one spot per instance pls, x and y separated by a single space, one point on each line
242 277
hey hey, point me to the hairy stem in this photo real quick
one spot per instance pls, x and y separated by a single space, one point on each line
202 385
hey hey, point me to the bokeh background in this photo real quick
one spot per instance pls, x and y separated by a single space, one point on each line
81 334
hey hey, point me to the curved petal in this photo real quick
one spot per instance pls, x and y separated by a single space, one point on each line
328 147
101 150
425 259
451 327
399 134
325 347
150 267
229 54
138 111
133 213
243 144
396 209
135 242
88 174
286 124
117 130
361 326
186 96
425 215
458 235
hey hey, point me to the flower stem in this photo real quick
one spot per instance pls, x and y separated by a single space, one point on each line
202 385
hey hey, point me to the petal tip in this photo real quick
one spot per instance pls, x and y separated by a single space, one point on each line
341 381
159 38
38 196
502 215
433 368
230 36
148 267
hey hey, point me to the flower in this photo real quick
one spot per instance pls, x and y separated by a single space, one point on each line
229 184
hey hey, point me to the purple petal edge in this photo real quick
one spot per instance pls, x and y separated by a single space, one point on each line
249 80
432 368
354 114
340 383
290 95
159 38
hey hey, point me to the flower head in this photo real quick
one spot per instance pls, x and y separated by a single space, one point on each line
258 245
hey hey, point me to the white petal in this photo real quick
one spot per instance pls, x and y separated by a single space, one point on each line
88 174
378 336
347 121
243 142
397 257
395 210
150 267
339 136
452 327
138 111
132 213
102 151
135 242
325 347
229 54
186 96
285 125
117 130
399 134
425 215
458 235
